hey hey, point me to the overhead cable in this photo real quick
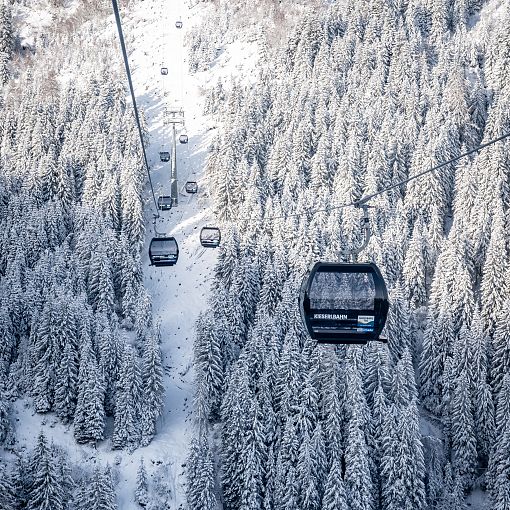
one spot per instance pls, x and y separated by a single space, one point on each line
363 201
133 98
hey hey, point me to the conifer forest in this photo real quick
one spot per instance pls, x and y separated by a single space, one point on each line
313 126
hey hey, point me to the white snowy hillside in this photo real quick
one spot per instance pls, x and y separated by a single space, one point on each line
197 386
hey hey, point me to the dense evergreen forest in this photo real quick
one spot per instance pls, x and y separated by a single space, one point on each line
362 95
349 97
76 328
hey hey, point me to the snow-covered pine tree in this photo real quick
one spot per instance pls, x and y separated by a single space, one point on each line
402 461
89 417
358 479
414 268
6 41
204 495
463 432
236 405
307 479
45 350
126 424
500 363
152 390
45 491
335 494
5 423
502 420
100 282
398 327
208 362
107 341
8 497
98 492
494 286
142 485
433 359
453 493
66 385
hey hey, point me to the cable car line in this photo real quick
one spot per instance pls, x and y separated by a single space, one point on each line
363 200
133 98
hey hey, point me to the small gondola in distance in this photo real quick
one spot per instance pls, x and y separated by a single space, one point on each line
164 71
164 156
191 187
183 139
210 237
178 24
343 303
163 251
165 202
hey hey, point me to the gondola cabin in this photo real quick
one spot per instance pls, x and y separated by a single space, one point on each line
164 203
210 237
163 251
164 71
344 303
178 24
183 139
164 156
191 187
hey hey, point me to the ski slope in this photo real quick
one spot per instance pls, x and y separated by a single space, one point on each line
179 293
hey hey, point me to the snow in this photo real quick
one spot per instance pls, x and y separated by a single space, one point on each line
37 18
31 22
179 293
477 500
241 56
489 15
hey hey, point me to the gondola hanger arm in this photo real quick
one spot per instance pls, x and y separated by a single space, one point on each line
154 220
353 252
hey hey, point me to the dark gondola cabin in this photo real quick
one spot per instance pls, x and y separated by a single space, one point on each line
191 187
178 24
163 251
183 139
164 203
344 303
210 237
164 71
164 156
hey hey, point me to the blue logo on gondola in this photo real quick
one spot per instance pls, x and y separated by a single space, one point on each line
366 322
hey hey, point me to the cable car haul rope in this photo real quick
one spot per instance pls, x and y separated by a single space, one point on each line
364 200
133 98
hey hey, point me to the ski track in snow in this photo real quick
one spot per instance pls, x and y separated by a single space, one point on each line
179 293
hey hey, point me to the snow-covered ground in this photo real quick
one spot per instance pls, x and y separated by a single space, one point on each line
179 293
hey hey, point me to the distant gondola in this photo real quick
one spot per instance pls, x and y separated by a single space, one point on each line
164 202
178 24
164 70
183 139
163 251
191 187
164 156
210 237
344 303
